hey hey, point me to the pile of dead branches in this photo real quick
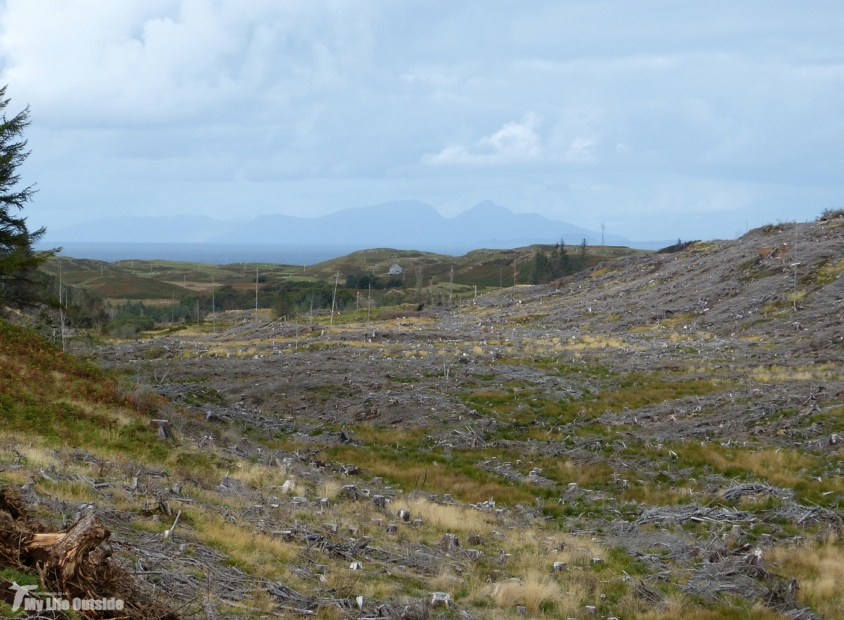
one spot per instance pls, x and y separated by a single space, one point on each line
74 564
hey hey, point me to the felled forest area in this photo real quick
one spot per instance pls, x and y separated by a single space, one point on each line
657 436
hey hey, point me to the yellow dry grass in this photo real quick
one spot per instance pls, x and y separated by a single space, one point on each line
588 342
329 488
258 476
38 456
532 592
445 581
815 372
69 491
445 517
259 554
829 272
819 569
537 592
778 466
19 477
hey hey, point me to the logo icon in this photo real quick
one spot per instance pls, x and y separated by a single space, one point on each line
21 592
26 600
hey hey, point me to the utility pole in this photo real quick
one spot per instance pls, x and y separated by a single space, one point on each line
334 296
61 309
420 283
603 229
213 306
451 287
256 294
369 305
794 294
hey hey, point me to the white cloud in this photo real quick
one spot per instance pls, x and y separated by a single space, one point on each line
514 142
175 60
581 150
290 105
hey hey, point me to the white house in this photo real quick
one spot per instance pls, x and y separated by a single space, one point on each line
395 270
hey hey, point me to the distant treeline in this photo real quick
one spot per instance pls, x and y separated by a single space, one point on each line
560 263
286 298
367 281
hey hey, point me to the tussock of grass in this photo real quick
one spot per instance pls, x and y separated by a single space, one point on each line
256 553
37 456
815 372
819 569
69 491
782 467
445 517
258 476
535 591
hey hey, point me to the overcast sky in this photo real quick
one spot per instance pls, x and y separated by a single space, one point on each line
663 119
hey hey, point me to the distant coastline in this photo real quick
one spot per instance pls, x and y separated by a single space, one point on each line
216 253
212 253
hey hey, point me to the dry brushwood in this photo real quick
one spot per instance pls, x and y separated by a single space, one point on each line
75 562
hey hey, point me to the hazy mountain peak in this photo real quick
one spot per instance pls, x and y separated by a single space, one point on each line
393 207
487 208
403 224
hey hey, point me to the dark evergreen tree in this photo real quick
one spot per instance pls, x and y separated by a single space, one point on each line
560 260
19 262
582 252
543 270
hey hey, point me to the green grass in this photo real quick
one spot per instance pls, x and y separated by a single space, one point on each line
130 286
527 410
67 400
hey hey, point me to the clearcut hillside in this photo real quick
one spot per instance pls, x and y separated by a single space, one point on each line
658 436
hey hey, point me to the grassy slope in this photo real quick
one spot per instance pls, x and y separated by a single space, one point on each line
164 279
66 400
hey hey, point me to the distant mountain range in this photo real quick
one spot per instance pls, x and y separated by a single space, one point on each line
406 224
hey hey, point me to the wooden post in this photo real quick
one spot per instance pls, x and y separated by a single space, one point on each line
334 296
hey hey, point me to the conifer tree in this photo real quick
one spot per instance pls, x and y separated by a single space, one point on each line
560 260
18 260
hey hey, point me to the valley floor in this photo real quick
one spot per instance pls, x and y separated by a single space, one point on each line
660 435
